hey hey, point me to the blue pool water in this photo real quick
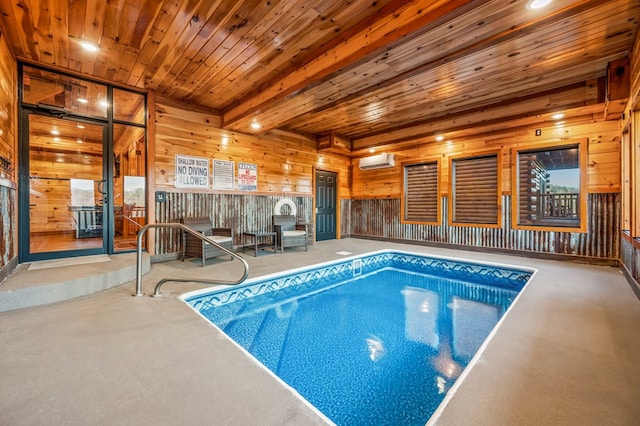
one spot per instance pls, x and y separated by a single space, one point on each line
378 339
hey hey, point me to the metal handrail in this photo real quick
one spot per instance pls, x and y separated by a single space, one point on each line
196 234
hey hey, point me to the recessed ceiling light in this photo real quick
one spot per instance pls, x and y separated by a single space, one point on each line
57 139
82 100
537 4
89 46
372 150
80 126
255 125
439 138
79 140
557 116
104 104
55 132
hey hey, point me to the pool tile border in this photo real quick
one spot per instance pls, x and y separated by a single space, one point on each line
512 278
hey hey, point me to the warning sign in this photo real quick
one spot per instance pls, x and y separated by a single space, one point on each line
192 172
247 177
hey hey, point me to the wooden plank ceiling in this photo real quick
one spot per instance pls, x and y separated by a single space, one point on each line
373 73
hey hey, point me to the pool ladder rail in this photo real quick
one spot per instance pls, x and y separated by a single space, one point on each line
196 234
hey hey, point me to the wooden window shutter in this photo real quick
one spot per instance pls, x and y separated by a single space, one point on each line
475 190
421 192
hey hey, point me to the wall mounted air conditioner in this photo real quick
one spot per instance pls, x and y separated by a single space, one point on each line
380 161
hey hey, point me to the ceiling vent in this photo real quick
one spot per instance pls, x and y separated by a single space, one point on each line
380 161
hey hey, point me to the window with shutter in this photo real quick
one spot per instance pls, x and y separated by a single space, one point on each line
421 201
474 190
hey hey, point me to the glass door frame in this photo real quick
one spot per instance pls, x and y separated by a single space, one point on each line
24 186
124 106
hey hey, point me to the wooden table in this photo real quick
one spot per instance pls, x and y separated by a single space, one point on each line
255 243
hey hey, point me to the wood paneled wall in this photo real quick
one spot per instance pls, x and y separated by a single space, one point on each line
285 161
603 158
286 167
630 252
380 218
8 150
8 105
634 63
376 206
371 206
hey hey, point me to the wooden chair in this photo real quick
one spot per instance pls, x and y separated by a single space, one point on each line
289 233
194 247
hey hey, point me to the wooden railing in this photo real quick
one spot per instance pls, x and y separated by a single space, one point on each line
559 206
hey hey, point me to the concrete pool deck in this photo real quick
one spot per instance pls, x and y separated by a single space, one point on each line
567 353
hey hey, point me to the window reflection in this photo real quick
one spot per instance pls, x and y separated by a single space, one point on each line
421 316
60 91
471 324
128 106
129 184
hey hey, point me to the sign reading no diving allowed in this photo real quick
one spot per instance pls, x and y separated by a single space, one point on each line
192 172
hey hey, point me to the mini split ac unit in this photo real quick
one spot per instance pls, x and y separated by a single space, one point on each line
379 161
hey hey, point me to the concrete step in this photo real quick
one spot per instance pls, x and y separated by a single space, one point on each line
50 281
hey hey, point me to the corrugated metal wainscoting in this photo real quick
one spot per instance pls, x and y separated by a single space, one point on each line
380 218
7 225
8 230
237 211
630 257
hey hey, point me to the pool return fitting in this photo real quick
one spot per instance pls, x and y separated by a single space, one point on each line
196 234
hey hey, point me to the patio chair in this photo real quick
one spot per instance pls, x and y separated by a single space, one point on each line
289 233
195 247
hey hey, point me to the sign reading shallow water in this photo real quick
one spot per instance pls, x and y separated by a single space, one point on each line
192 172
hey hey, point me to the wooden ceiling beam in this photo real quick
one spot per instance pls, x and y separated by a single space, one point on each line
415 18
500 112
225 72
487 129
471 48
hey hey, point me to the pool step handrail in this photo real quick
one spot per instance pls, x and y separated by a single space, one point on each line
196 234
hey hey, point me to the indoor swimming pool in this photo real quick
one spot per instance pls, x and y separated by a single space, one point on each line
373 339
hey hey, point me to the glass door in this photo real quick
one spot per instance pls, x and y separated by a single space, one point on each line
82 166
129 186
68 191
